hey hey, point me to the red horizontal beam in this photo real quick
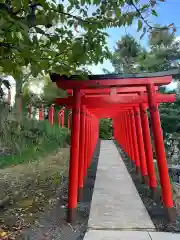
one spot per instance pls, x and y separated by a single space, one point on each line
84 84
107 91
115 100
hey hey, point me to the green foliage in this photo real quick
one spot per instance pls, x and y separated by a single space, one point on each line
125 55
30 139
105 131
49 36
163 54
50 91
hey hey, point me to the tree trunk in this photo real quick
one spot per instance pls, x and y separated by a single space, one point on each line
18 101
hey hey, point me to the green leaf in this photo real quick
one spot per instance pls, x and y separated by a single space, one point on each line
39 30
96 2
109 13
118 12
129 19
69 8
144 7
83 2
25 4
139 25
44 3
71 23
129 2
154 13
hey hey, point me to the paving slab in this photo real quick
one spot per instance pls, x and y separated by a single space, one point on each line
116 203
164 236
116 235
129 235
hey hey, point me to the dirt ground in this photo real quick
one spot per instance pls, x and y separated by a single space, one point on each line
26 190
176 191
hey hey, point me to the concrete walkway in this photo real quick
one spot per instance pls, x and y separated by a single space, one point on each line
117 211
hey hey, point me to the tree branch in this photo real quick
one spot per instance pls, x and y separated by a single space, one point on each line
146 22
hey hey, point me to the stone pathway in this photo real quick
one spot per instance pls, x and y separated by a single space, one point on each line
129 235
117 211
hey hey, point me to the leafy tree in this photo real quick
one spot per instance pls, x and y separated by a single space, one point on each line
50 91
49 36
163 50
23 90
125 56
105 129
163 54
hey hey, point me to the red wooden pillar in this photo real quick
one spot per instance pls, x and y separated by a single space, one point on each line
122 134
51 114
59 119
124 138
160 153
41 112
142 155
134 139
69 120
130 139
88 140
82 147
62 117
74 156
86 143
127 134
148 148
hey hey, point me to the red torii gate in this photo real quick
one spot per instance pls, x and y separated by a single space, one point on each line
111 99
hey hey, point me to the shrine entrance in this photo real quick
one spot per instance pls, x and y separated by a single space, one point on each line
127 100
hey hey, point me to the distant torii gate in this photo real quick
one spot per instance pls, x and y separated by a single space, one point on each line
126 101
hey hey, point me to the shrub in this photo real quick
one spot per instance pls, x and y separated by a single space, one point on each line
29 139
105 131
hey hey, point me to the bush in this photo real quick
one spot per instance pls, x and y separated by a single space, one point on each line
105 131
30 139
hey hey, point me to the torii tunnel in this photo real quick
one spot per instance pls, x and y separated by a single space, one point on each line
125 100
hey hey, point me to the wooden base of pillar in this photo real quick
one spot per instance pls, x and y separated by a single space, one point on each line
80 193
137 169
133 164
153 193
71 215
171 214
144 179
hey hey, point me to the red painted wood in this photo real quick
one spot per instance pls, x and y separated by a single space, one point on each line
140 141
41 113
81 151
118 99
148 147
74 156
102 91
71 84
160 150
112 101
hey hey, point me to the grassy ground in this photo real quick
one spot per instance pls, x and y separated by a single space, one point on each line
29 140
28 189
33 164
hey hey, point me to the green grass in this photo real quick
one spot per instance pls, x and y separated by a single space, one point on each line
31 140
